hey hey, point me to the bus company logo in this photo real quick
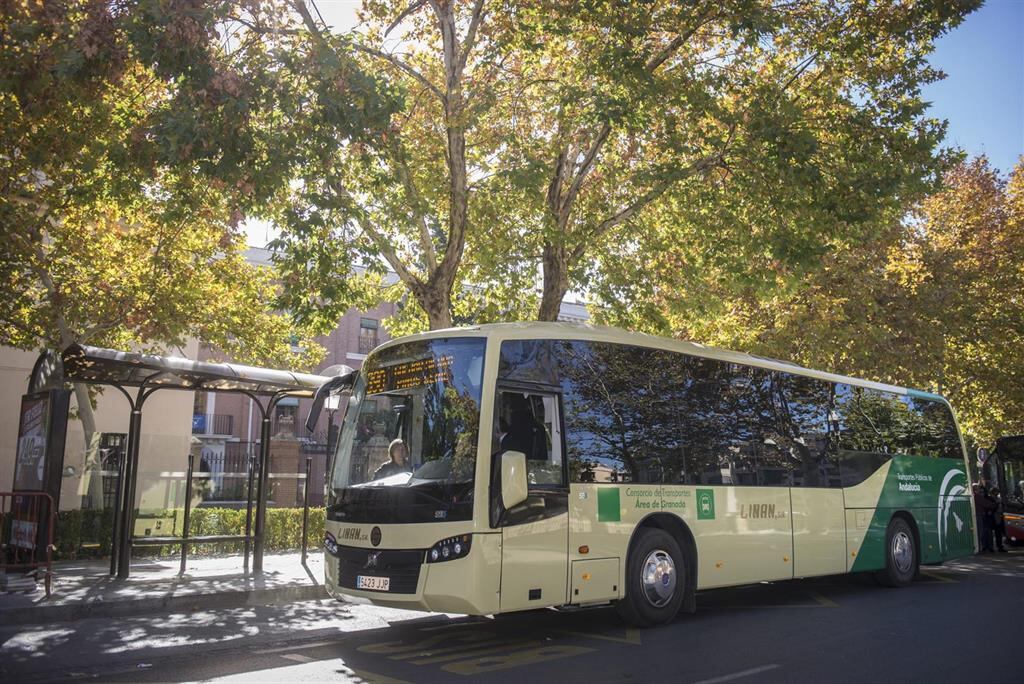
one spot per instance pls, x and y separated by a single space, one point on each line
950 488
353 533
371 560
705 504
761 512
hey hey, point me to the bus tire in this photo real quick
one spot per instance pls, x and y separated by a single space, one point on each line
655 579
902 560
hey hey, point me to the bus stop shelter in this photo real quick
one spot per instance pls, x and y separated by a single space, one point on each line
137 376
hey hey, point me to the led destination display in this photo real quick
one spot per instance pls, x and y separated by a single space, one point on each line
409 375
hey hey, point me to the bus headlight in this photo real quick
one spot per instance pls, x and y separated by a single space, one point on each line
452 548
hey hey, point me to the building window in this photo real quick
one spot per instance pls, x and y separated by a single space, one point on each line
367 335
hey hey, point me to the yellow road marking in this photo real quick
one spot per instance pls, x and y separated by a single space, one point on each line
823 600
516 659
376 678
461 648
632 636
938 577
476 653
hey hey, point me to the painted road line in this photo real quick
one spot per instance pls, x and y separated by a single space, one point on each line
824 601
297 657
515 659
738 675
403 649
939 577
376 678
459 648
477 652
456 623
632 636
297 647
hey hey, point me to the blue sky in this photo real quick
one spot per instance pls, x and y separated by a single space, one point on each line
983 94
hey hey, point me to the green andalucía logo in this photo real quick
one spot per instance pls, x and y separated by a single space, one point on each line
705 504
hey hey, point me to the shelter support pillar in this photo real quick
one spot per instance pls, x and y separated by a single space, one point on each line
261 491
125 517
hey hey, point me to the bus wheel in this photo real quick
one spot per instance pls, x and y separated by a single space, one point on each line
655 579
901 557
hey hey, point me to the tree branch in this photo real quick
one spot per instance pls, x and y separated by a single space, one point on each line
625 213
378 238
402 66
584 171
405 176
264 30
470 41
408 11
588 162
307 19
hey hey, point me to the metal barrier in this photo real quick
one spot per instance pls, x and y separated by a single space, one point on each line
27 521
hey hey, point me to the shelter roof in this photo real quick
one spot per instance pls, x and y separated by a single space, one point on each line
134 369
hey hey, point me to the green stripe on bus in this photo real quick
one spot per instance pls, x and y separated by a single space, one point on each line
608 504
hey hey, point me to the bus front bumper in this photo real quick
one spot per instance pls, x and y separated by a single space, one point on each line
468 585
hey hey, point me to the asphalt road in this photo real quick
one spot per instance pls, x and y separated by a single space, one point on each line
961 623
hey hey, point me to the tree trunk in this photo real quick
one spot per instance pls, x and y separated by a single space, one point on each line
436 302
92 480
556 281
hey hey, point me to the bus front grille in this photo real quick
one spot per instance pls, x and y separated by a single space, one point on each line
401 567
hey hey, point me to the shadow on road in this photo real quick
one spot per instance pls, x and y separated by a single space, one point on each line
318 639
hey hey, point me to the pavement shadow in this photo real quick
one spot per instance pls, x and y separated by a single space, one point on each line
317 639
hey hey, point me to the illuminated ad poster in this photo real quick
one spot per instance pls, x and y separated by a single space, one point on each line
30 466
42 427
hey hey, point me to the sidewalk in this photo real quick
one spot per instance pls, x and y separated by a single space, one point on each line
84 589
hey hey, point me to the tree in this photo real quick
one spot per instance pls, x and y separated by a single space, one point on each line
559 136
778 128
130 150
404 200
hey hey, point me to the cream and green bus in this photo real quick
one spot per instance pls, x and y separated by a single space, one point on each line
550 465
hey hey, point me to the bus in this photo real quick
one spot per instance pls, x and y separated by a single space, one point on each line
1003 467
511 467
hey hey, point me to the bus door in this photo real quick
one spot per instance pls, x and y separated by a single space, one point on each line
534 534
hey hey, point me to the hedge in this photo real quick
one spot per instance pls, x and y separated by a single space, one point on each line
86 534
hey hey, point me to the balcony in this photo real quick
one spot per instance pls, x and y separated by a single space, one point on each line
212 424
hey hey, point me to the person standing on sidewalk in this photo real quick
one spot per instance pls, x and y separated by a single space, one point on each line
983 517
998 521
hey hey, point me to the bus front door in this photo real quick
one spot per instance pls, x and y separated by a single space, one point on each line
535 534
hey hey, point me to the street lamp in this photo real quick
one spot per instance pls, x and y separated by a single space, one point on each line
331 403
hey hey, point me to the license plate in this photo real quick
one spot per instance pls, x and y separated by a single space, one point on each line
373 583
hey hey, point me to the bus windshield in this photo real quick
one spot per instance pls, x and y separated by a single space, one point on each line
407 449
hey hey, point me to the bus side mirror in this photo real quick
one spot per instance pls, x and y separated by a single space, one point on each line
513 479
343 381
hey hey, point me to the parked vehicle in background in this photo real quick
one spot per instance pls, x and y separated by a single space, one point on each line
1004 468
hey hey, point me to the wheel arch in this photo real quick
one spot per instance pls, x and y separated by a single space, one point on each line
680 531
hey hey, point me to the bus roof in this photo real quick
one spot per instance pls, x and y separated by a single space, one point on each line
587 331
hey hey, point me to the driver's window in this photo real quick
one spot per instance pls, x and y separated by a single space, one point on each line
528 422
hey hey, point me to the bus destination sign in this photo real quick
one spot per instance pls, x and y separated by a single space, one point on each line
409 375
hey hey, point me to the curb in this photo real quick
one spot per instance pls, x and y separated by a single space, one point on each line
150 605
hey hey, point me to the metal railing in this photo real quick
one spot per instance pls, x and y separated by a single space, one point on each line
27 520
